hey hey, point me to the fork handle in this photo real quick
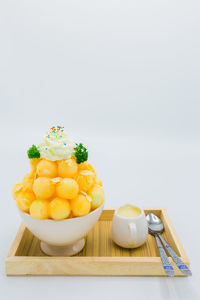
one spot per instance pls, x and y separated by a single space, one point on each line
169 270
180 264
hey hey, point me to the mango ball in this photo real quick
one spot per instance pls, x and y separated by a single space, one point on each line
43 188
39 209
97 195
86 166
34 162
47 168
98 181
85 180
67 168
24 200
59 209
16 189
67 188
28 181
81 205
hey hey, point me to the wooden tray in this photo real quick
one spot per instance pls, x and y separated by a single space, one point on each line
100 255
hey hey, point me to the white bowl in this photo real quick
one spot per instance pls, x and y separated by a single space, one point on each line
64 237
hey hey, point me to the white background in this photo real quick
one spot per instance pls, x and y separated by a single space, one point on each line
123 78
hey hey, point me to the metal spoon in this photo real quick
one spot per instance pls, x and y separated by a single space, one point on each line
156 227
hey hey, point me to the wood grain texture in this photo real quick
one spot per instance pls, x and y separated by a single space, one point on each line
100 256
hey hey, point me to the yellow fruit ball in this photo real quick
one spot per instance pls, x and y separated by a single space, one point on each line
59 209
85 180
47 168
67 188
43 188
39 209
81 205
16 189
34 162
67 168
28 181
86 166
97 195
24 200
98 181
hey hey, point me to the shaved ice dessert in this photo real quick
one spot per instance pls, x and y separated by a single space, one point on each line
62 183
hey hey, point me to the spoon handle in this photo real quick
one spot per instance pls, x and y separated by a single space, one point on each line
180 264
169 270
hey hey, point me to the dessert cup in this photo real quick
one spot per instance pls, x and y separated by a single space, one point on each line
63 237
61 184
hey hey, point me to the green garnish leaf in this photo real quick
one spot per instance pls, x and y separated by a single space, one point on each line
81 153
33 152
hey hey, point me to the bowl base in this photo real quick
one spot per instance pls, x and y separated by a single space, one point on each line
62 250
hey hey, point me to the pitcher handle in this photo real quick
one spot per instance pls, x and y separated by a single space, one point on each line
133 231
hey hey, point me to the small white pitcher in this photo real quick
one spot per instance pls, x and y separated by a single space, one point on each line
129 232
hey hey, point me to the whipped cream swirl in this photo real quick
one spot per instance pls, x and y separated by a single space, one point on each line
56 145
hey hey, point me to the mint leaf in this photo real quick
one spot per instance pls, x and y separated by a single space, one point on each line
33 152
81 153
